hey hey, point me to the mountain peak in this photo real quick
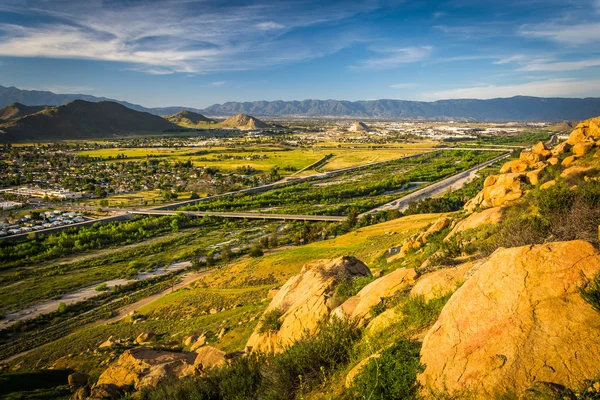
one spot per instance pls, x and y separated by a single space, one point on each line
244 121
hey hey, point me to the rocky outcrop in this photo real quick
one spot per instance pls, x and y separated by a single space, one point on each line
588 129
303 302
145 367
497 190
576 172
441 282
358 307
520 319
209 357
418 241
490 216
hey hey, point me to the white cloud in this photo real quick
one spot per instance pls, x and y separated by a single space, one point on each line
570 34
172 36
403 85
268 26
559 66
509 59
218 83
395 58
543 88
439 14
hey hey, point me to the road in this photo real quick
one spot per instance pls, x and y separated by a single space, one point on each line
122 214
436 189
245 215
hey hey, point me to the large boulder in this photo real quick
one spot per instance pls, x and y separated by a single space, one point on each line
358 307
303 302
497 190
518 320
541 150
443 281
513 166
490 216
209 357
588 129
581 148
560 149
145 367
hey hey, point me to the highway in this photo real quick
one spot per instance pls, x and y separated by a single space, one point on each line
245 215
436 189
429 191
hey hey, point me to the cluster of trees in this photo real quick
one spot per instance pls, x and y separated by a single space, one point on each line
94 237
362 189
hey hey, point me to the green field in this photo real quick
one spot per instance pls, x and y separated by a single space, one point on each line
238 290
362 189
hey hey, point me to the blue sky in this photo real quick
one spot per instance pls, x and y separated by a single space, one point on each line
197 53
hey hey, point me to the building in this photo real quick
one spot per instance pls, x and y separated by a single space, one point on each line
41 193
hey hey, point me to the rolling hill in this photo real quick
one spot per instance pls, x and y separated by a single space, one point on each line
189 119
243 121
18 110
81 119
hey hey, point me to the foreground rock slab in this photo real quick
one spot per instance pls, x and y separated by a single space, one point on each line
520 319
302 302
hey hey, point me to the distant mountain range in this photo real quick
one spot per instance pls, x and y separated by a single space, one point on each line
518 108
79 119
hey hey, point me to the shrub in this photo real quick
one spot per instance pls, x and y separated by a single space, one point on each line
101 287
255 251
311 359
421 313
242 378
591 293
271 321
349 288
393 375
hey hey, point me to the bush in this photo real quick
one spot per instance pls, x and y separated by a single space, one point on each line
591 293
312 359
271 321
241 379
101 287
349 288
393 375
255 251
421 313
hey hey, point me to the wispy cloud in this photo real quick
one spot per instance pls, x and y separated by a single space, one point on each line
171 36
570 34
403 85
270 25
543 88
394 58
218 83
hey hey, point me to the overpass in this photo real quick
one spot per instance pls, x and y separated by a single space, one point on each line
244 215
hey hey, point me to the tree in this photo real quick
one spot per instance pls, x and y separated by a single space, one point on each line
256 250
226 253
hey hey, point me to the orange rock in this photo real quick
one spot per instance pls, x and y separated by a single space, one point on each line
560 149
489 216
581 148
587 129
441 282
519 319
553 161
568 161
145 367
531 159
547 184
358 306
302 301
514 166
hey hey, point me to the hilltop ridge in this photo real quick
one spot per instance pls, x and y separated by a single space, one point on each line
189 119
243 121
81 119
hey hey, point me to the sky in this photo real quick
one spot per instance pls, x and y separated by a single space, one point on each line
198 53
